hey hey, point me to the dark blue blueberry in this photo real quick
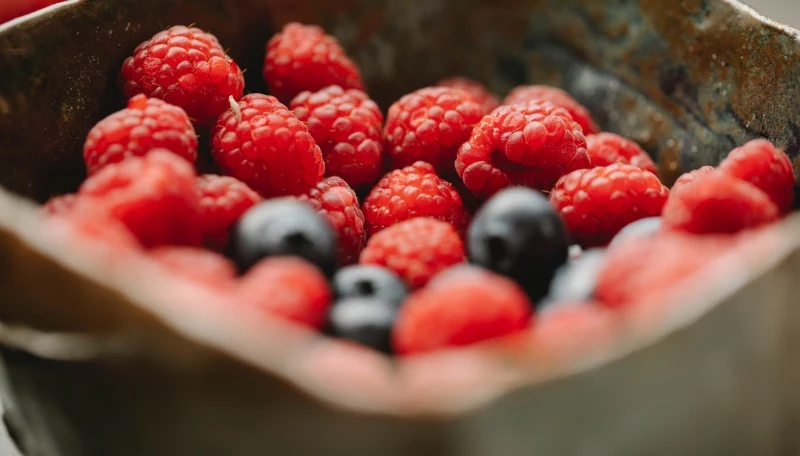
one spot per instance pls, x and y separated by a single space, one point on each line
369 282
576 280
368 321
519 234
281 227
643 228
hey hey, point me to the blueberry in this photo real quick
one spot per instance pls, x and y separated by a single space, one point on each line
283 227
369 282
519 234
643 228
367 320
576 280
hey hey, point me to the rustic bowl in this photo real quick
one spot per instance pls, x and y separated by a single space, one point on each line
101 360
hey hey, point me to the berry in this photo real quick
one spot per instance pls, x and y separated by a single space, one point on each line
283 227
223 200
289 288
558 97
154 196
531 145
367 321
370 282
576 280
607 148
196 264
479 92
462 306
597 203
650 267
414 191
761 164
337 202
91 227
415 249
347 127
303 57
63 204
145 125
718 203
574 328
260 142
643 228
691 176
430 125
518 233
185 67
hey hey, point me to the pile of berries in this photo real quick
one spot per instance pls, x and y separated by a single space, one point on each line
569 218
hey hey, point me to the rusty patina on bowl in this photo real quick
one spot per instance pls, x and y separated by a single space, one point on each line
101 361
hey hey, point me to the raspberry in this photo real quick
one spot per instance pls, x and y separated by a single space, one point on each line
347 127
607 148
303 57
531 145
460 307
93 227
338 203
573 328
691 176
597 203
223 200
761 164
479 92
63 204
145 125
154 196
185 67
414 191
416 250
289 288
648 267
196 264
260 142
430 125
718 203
525 94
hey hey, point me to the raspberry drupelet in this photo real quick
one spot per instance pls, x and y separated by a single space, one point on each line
186 67
691 176
414 191
263 144
430 125
144 125
303 57
223 200
479 92
597 203
346 125
527 93
529 145
607 148
337 202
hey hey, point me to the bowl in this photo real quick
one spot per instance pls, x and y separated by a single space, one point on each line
100 359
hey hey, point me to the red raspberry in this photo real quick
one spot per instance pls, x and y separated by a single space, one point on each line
643 268
145 125
460 307
260 142
718 203
223 200
88 225
303 57
691 176
572 328
338 203
761 164
414 191
597 203
429 125
607 148
526 94
416 249
479 92
196 264
531 145
288 288
63 204
347 127
186 67
154 196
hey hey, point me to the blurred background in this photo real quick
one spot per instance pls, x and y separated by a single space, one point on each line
786 11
